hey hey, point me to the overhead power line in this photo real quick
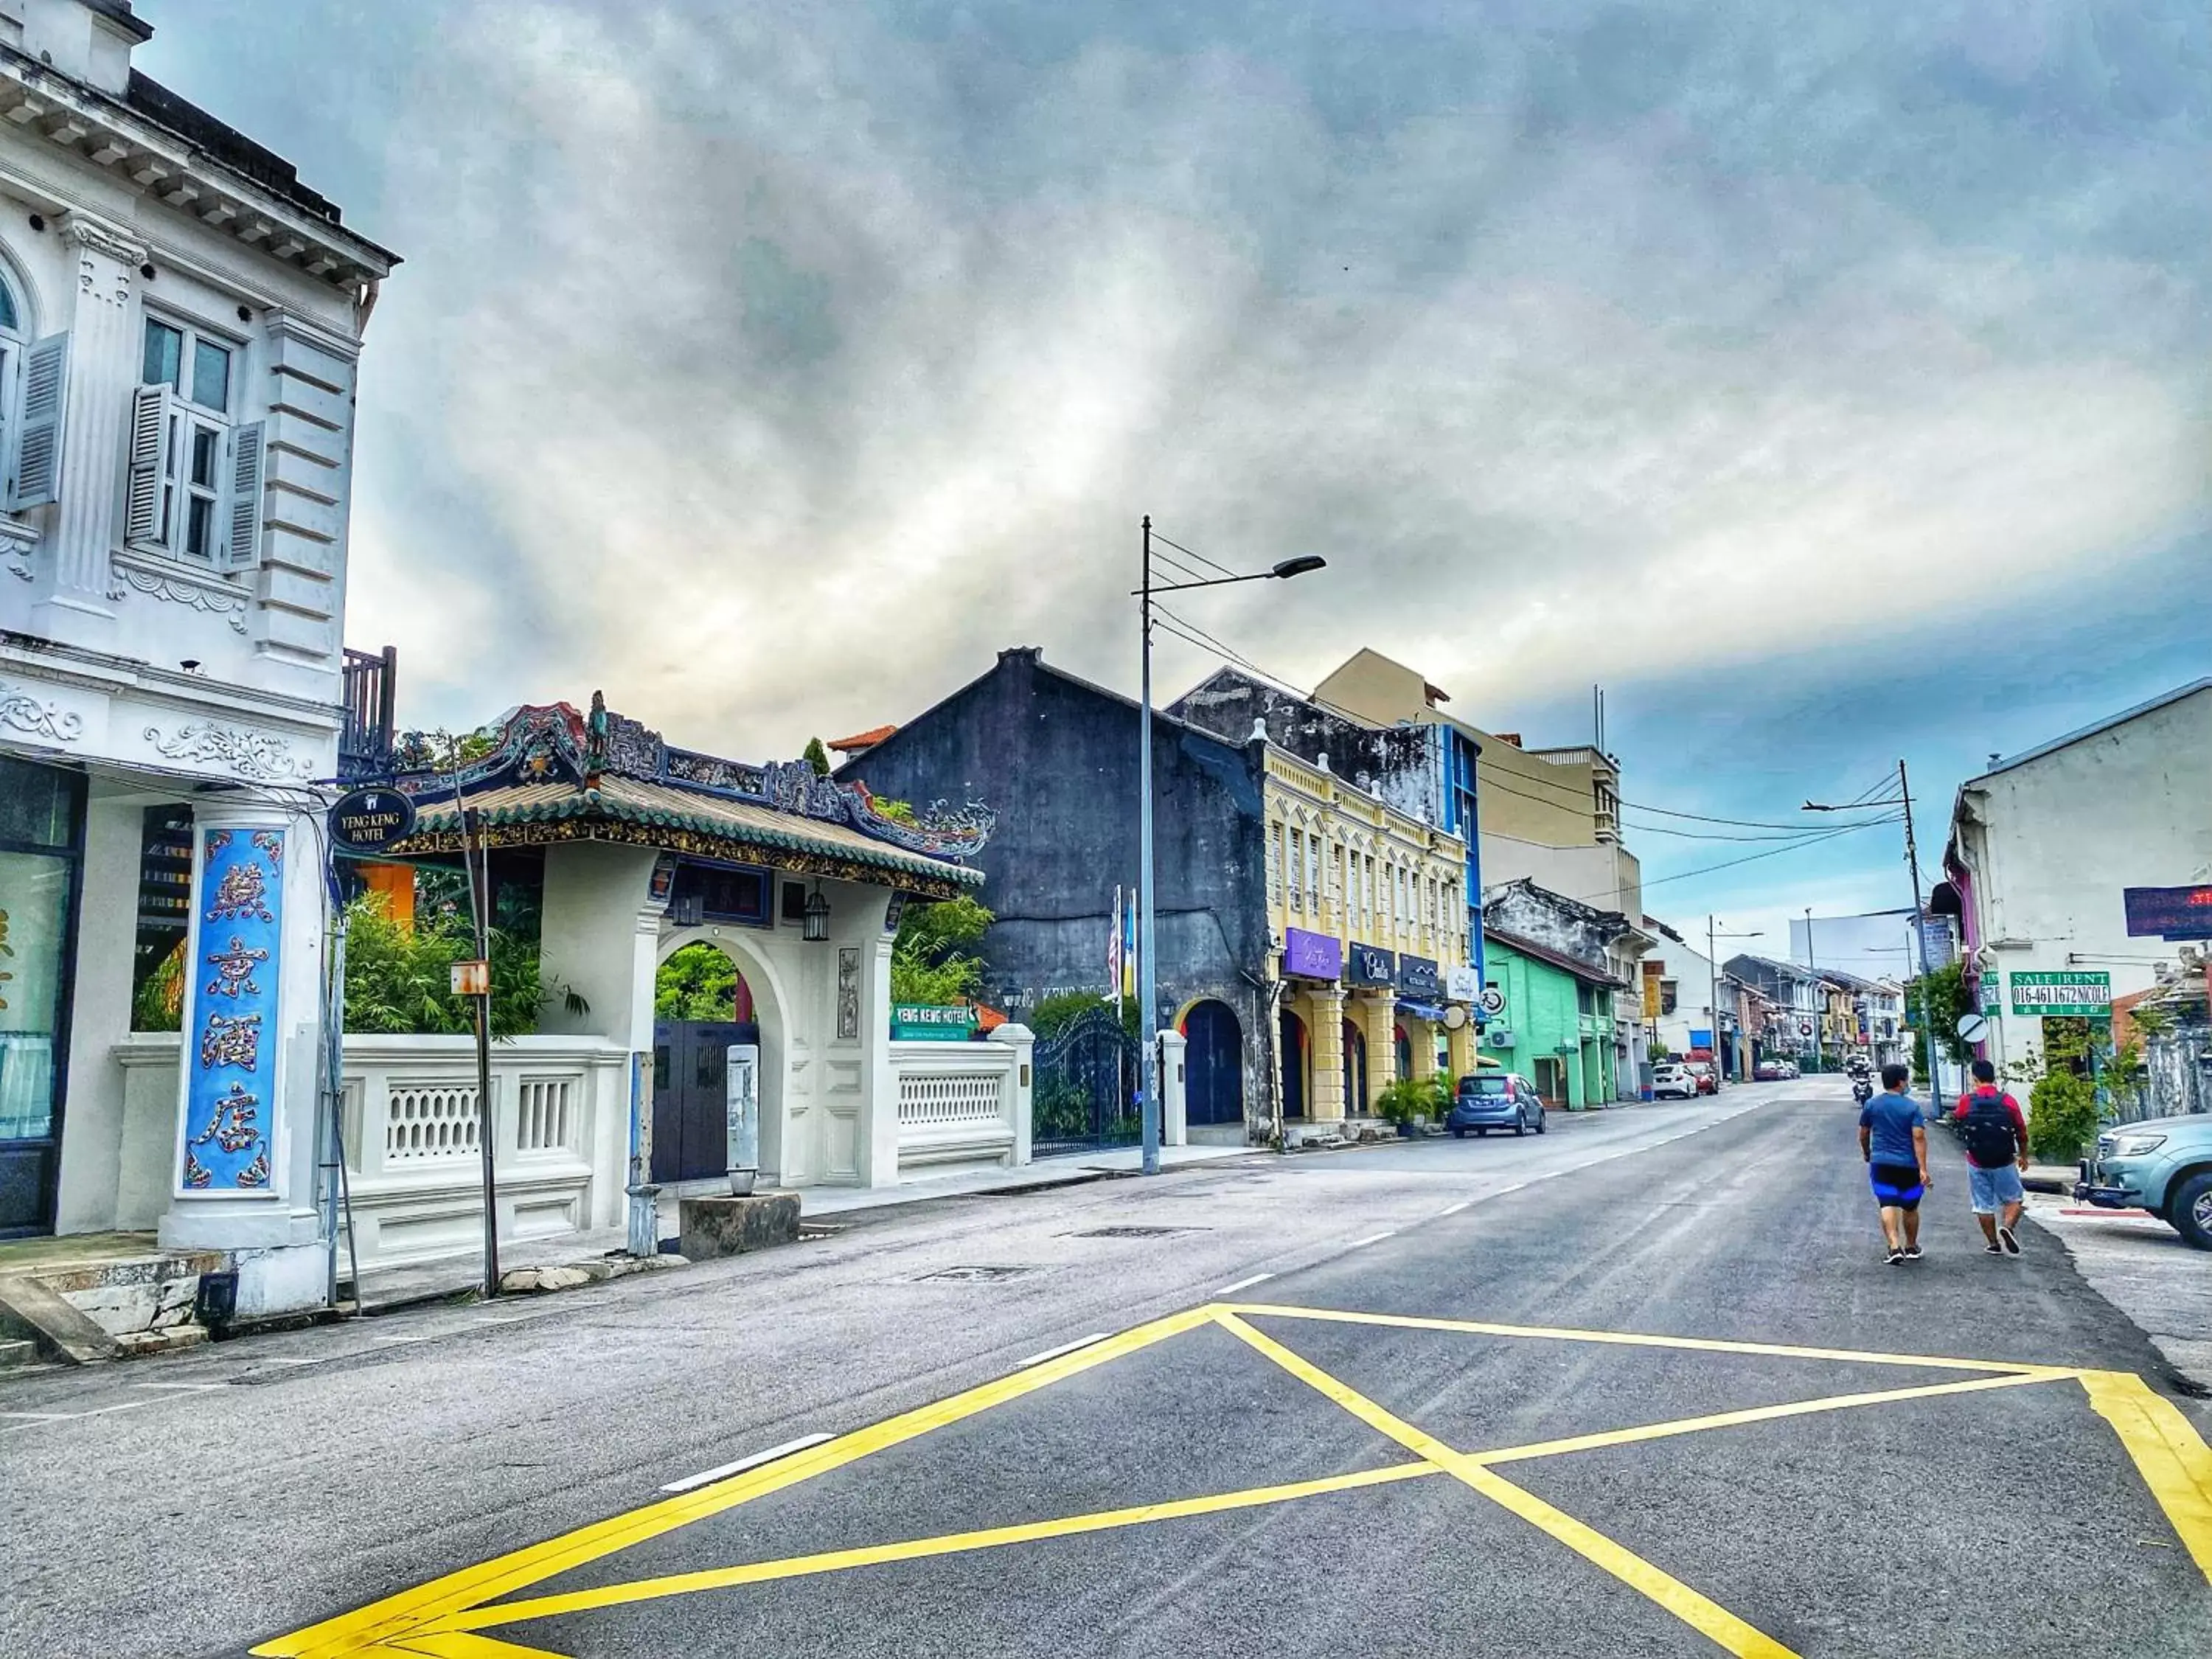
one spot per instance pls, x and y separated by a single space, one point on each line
1222 569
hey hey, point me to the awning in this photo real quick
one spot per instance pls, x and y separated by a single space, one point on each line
1428 1011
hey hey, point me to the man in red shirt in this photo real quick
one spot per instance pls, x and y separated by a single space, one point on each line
1996 1158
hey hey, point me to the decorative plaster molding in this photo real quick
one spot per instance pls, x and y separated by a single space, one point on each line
20 711
100 237
216 598
249 753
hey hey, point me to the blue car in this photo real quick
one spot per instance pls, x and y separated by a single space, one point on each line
1496 1100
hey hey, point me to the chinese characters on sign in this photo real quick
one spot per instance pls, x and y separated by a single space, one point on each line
232 1010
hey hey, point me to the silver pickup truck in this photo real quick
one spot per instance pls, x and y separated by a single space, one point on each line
2163 1164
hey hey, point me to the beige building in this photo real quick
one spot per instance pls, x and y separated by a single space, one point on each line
1551 816
1370 905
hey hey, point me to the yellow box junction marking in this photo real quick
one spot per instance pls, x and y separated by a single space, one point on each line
441 1619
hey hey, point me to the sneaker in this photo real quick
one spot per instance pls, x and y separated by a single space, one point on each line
1992 1249
2005 1237
1896 1257
1913 1253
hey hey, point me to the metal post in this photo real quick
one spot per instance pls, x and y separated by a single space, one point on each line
474 862
1147 992
1713 998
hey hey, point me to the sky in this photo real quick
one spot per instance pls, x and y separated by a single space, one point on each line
1828 382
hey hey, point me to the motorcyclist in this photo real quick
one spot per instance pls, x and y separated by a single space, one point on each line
1862 1080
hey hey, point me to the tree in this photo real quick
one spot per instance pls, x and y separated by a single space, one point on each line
398 979
818 757
698 982
1936 1001
931 962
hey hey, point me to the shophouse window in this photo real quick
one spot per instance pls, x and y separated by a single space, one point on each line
1275 865
195 479
32 373
1313 872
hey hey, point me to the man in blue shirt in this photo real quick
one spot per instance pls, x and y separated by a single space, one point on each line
1893 1139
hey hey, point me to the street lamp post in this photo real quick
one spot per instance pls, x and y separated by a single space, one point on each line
1713 990
1148 979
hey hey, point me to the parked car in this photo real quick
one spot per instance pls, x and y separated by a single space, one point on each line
1708 1079
1672 1082
2163 1164
1496 1100
1774 1071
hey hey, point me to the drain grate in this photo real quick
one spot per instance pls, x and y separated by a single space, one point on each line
1136 1232
974 1275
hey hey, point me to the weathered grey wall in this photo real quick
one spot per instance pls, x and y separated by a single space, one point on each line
1402 762
1057 758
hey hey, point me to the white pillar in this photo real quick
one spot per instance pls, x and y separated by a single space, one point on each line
1021 1086
103 359
243 1172
879 1112
1174 1109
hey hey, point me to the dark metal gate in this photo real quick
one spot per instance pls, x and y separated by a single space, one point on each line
690 1090
1088 1081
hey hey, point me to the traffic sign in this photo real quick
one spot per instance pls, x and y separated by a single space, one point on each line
1804 1028
1972 1027
1492 1001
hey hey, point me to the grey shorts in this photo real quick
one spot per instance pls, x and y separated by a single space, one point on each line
1994 1187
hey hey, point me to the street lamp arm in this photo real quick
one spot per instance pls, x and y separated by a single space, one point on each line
1849 806
1282 572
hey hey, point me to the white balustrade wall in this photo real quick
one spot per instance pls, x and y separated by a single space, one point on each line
963 1104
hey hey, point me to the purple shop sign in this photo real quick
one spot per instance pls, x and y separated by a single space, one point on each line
1311 955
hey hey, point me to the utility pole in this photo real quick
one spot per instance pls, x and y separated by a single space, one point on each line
1147 986
1820 1001
1713 997
1920 944
476 863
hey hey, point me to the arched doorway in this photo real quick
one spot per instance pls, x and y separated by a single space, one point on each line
1294 1065
1404 1046
1355 1067
1213 1064
708 996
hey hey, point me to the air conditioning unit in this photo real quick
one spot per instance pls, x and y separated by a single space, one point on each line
1498 1037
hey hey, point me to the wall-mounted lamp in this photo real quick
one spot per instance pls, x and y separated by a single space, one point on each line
817 928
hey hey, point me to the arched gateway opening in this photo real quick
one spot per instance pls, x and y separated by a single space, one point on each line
705 1001
1213 1064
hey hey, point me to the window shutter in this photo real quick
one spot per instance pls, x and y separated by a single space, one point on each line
39 446
141 493
245 548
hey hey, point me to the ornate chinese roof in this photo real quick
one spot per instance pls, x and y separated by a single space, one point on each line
554 775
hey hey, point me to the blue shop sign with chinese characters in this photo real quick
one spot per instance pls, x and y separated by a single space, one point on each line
230 1053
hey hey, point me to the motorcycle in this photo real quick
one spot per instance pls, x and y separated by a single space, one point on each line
1862 1090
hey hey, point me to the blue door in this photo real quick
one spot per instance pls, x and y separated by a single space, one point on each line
1213 1064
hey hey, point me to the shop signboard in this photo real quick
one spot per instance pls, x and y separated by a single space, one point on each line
1312 955
2169 913
1417 977
922 1022
1461 984
371 820
1370 964
2079 992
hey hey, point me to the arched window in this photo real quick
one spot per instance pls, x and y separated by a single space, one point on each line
31 375
9 315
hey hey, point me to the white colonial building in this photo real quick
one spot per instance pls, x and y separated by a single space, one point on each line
2045 843
181 319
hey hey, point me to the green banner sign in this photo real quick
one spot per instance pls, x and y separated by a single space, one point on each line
2088 994
922 1022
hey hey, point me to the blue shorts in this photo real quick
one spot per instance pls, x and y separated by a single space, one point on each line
1994 1188
1896 1185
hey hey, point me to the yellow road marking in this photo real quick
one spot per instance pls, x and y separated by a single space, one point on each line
1701 1613
461 1644
2169 1454
758 1572
393 1617
1627 1338
1752 1414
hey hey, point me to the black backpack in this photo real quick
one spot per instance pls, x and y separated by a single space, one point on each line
1991 1141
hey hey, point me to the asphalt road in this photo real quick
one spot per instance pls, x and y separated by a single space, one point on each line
1212 1477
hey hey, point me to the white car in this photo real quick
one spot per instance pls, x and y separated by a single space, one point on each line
1672 1082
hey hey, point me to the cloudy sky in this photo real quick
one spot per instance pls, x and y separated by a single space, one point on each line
1829 381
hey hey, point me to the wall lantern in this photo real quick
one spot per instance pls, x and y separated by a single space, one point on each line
816 930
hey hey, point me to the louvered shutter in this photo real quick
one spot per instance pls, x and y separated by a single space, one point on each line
243 549
38 444
142 491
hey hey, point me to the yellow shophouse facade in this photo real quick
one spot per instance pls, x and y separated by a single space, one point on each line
1369 908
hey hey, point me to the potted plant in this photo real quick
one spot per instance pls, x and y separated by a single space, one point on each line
1407 1101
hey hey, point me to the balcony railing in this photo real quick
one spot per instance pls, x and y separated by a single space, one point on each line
371 686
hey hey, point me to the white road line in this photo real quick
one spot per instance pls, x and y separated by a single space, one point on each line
1454 1209
1065 1348
1243 1285
180 1388
39 1417
33 1419
709 1476
1372 1238
395 1338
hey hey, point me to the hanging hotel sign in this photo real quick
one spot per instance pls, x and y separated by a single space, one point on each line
2169 913
371 820
1461 984
1311 955
2075 992
922 1022
1370 964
